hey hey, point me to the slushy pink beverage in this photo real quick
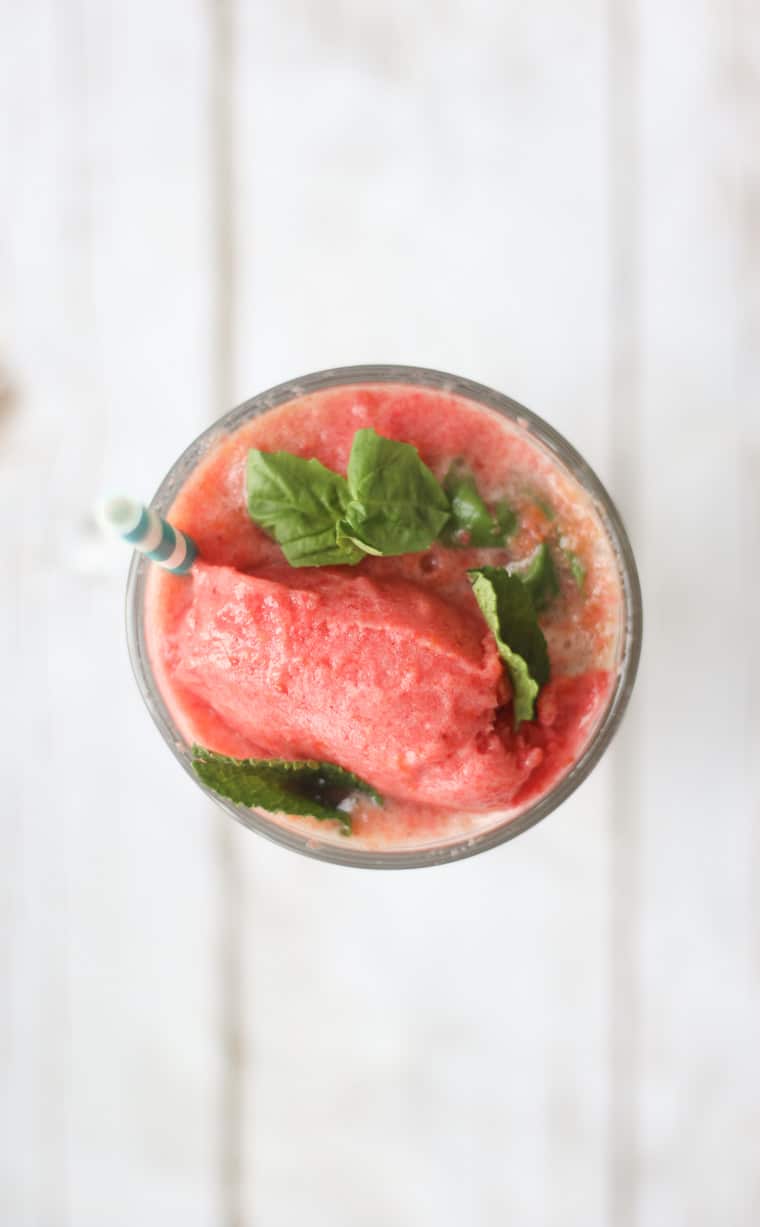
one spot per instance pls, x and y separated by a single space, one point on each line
396 583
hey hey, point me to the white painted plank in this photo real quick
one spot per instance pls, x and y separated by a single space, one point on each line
701 1001
429 187
35 1039
746 77
110 1110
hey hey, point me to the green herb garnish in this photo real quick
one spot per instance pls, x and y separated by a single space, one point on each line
577 569
508 609
506 518
397 505
300 503
471 522
306 788
390 503
540 577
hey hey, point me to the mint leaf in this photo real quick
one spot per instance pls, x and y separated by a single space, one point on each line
278 786
471 522
577 568
300 503
397 505
540 577
508 609
506 518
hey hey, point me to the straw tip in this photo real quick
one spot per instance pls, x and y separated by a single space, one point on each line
118 514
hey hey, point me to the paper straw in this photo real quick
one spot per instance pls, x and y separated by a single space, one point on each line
146 531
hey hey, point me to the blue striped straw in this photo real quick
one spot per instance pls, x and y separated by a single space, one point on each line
153 536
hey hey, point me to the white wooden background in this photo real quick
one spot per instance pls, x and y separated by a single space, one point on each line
197 201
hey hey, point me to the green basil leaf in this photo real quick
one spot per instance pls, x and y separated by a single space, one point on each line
471 522
396 504
346 532
299 502
577 569
506 519
540 577
282 787
508 609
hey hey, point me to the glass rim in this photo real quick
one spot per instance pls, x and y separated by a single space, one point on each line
464 845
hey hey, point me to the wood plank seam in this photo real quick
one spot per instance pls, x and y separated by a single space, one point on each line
221 133
625 376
